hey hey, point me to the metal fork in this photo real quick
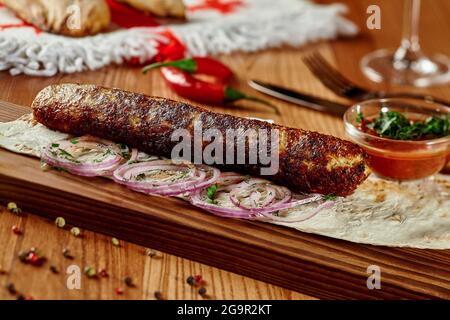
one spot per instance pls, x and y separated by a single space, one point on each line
343 87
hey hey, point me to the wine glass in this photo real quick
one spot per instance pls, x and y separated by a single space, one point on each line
407 65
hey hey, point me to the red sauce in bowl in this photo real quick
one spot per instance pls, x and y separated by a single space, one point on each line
399 147
410 167
398 160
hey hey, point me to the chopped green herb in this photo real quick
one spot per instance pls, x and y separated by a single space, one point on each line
74 140
359 117
64 153
55 145
210 193
329 197
394 125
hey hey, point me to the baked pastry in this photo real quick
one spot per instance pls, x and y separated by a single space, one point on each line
160 8
67 17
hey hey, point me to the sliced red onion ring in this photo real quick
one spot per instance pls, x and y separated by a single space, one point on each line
245 193
229 209
197 199
164 177
86 156
138 156
227 178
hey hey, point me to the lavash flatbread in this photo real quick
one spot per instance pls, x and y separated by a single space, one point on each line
380 212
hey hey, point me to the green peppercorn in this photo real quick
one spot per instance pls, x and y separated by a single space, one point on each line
60 222
23 256
90 272
115 242
75 231
12 207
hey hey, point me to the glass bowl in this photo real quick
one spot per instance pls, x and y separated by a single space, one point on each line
399 159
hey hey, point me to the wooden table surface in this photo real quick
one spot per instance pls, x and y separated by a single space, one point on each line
166 273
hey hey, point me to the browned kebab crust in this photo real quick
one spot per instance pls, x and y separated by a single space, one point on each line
308 161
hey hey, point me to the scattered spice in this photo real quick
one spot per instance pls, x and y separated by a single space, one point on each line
11 288
150 252
23 256
195 281
13 208
115 242
60 222
32 256
202 291
102 273
158 295
66 254
119 291
199 280
129 282
54 269
190 280
75 231
16 230
90 272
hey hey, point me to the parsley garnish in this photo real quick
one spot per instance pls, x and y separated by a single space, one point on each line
65 153
329 197
210 193
74 140
394 125
359 117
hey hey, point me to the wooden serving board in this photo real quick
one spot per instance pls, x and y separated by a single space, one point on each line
314 265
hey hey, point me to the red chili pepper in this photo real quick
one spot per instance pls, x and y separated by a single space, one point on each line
198 65
178 75
189 87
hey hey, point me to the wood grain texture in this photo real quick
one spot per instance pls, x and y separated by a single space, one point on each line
407 275
311 264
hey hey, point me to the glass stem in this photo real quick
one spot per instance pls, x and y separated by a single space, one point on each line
409 50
